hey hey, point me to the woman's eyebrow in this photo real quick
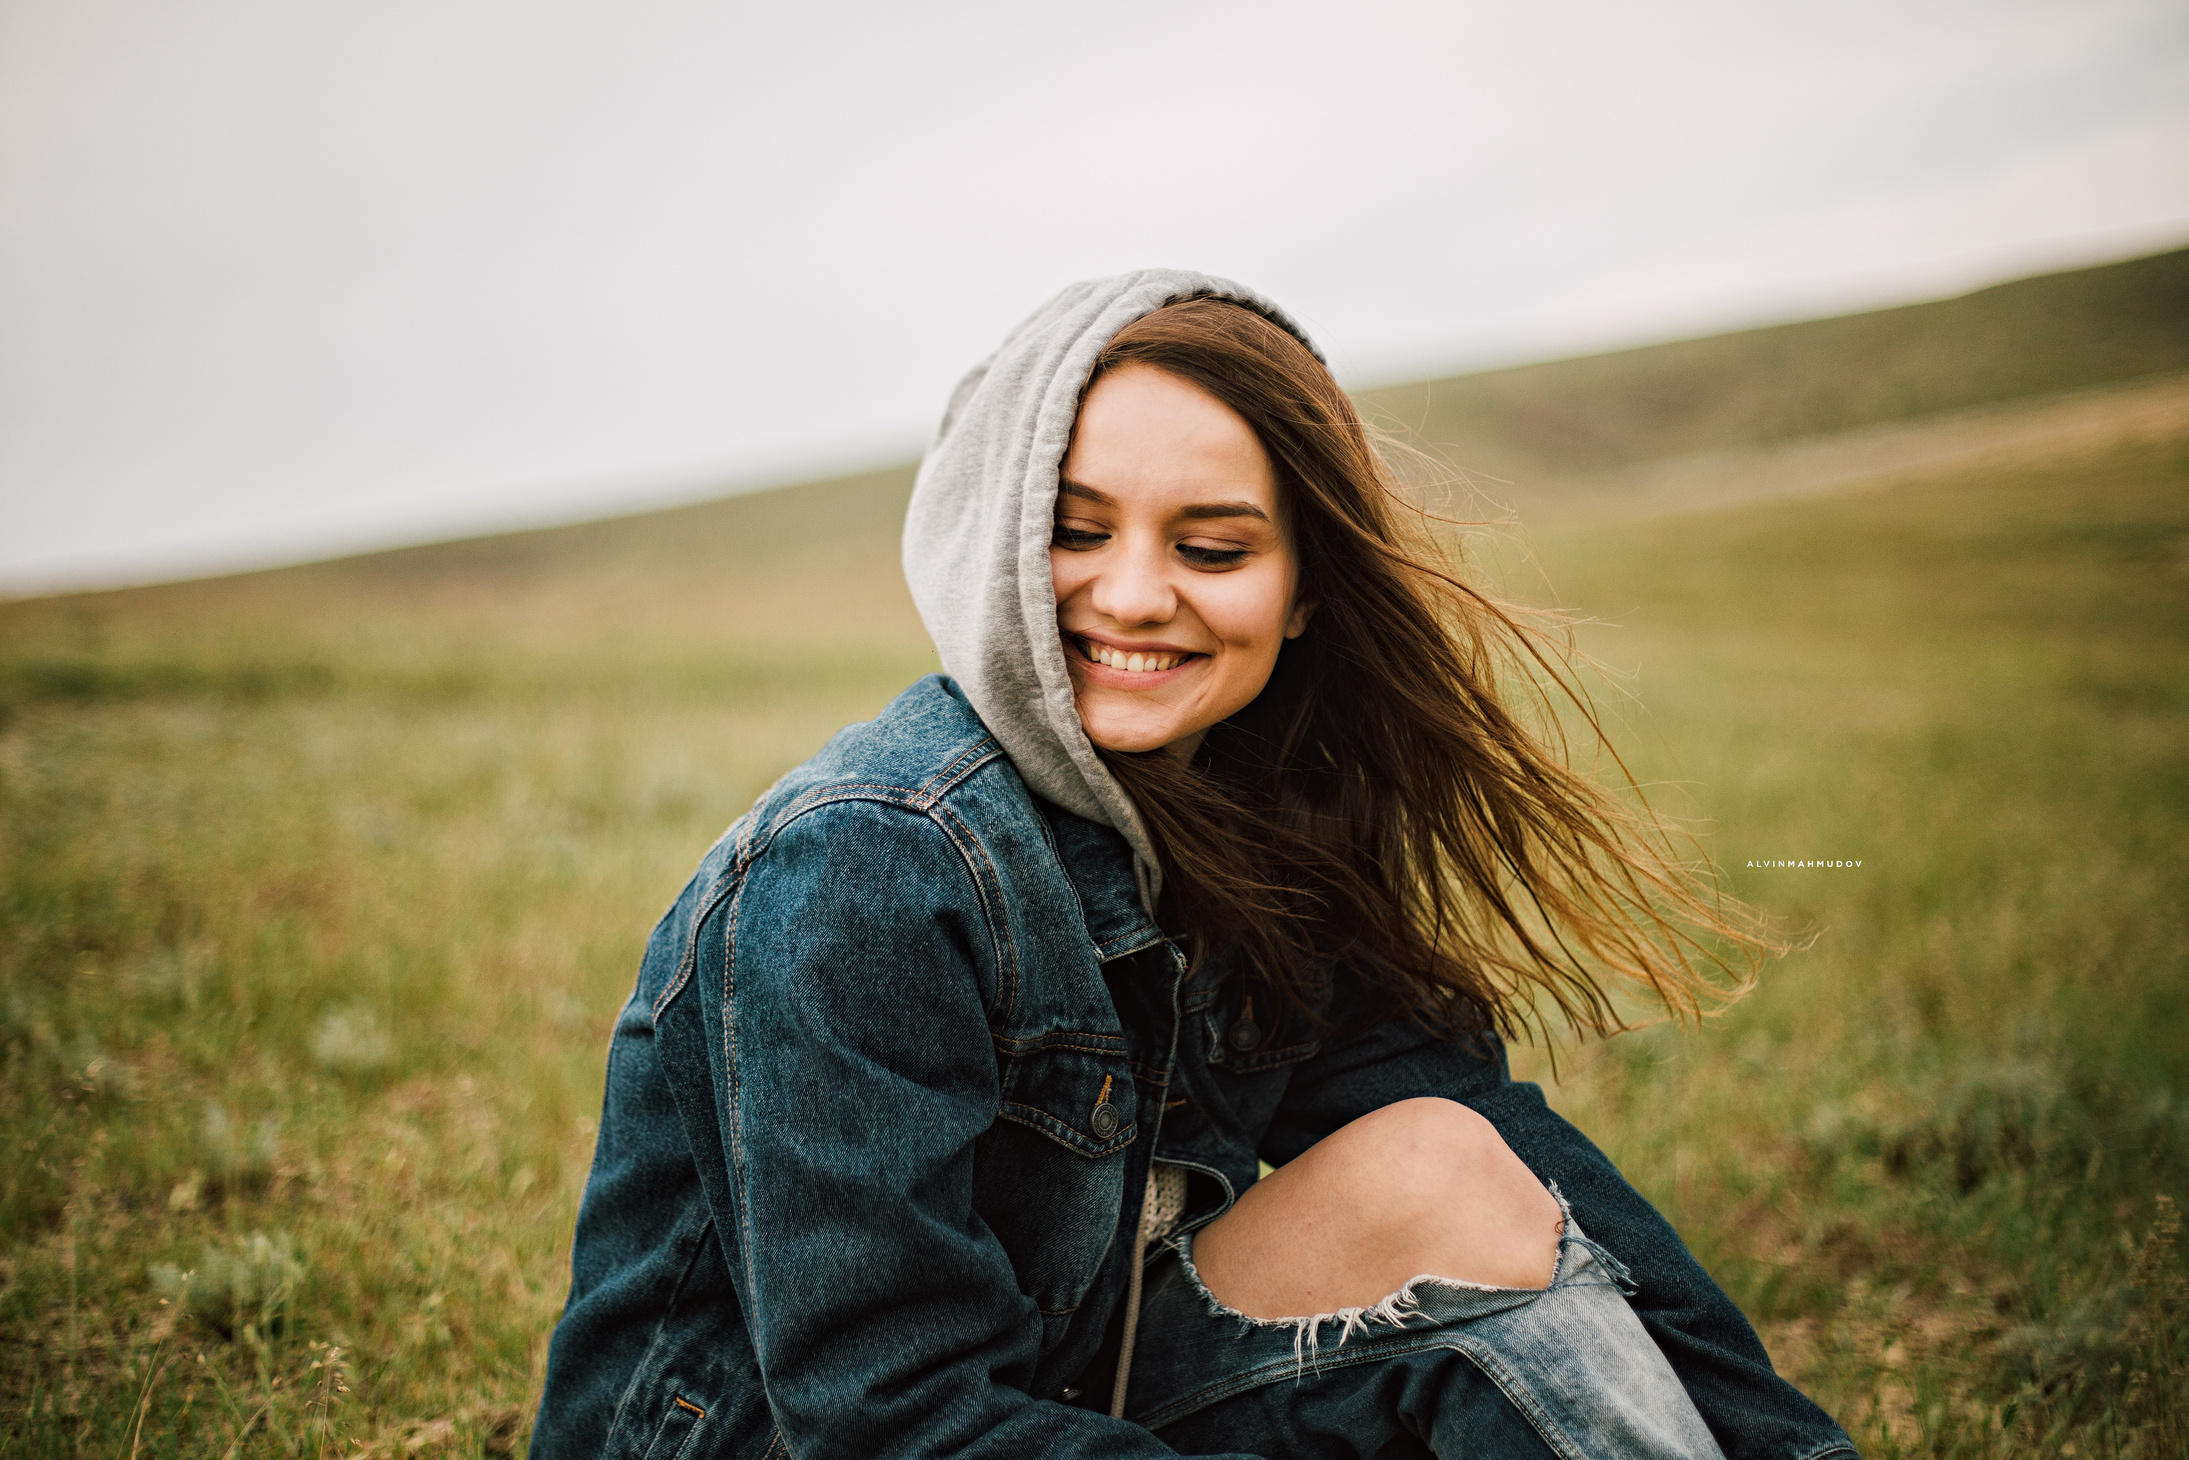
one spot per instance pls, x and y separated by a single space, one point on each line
1204 510
1198 512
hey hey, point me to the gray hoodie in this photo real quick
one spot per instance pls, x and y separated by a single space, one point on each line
976 537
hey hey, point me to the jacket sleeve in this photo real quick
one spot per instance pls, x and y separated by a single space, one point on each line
855 1075
1709 1342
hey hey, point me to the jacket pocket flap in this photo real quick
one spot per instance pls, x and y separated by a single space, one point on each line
1076 1089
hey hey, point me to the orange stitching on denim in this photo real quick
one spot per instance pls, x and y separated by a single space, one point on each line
980 751
683 1403
1035 1118
902 796
990 907
690 960
927 794
972 838
732 1075
1147 931
1021 1048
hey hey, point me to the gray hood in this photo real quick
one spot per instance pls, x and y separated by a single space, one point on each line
976 537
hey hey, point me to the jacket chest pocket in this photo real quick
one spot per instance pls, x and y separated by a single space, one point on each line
1049 1175
1076 1089
1250 1032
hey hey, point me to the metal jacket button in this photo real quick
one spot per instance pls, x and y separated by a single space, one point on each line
1104 1118
1245 1033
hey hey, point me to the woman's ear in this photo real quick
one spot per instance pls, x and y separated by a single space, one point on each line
1303 609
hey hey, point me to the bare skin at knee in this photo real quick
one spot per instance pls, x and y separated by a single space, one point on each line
1422 1186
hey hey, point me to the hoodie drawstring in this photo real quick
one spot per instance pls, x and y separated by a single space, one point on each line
1162 1203
1132 1330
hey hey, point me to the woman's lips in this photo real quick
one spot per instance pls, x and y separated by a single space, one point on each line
1131 665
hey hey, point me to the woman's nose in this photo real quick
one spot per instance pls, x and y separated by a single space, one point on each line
1133 588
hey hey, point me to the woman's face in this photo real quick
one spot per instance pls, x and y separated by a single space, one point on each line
1176 579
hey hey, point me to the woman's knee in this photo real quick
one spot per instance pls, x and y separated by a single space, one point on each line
1418 1187
1412 1150
1441 1176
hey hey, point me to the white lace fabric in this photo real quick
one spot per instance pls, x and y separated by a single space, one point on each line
1166 1204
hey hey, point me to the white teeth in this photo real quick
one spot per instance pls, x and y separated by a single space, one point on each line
1141 663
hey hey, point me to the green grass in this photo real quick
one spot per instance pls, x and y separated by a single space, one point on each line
319 890
1930 1153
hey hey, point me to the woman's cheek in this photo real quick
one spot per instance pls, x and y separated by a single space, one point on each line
1065 578
1250 615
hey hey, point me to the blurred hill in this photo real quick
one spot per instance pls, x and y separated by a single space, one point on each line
2093 356
1548 435
1762 387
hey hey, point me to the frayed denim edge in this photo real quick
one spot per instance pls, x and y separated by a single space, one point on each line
1400 1307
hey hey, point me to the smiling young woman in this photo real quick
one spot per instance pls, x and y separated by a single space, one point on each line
934 1124
1176 582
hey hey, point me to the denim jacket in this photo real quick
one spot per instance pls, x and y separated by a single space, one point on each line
880 1107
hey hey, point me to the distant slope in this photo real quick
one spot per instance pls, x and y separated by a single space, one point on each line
2007 436
2030 338
1532 425
1561 431
730 533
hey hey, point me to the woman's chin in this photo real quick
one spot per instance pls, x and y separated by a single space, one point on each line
1135 737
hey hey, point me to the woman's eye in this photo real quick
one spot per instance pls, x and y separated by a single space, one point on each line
1076 539
1206 557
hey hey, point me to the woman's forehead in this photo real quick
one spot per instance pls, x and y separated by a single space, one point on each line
1145 438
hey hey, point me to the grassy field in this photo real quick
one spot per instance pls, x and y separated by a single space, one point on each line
1938 1155
319 890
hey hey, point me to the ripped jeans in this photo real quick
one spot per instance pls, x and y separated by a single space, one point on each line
1441 1368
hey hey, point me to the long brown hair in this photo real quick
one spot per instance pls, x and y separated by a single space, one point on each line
1384 801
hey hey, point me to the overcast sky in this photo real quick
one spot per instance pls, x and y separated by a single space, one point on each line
282 278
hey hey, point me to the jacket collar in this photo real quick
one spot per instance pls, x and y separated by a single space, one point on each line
1099 864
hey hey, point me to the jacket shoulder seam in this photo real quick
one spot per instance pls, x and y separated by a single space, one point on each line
740 831
732 1076
962 765
988 886
980 867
